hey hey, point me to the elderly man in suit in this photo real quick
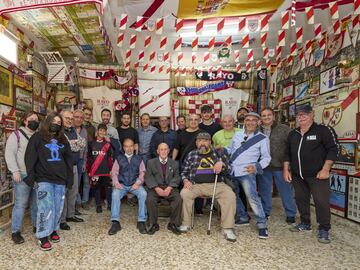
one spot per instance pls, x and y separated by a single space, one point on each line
162 179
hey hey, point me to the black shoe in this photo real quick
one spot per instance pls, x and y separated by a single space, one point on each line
74 219
34 229
98 209
153 229
17 238
142 228
64 226
115 227
77 212
172 227
199 212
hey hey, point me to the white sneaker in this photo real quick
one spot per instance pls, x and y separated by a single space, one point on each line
229 235
184 228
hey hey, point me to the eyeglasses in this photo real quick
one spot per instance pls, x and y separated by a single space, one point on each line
69 118
244 141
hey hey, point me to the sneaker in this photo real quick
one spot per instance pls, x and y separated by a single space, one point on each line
263 233
98 209
267 216
77 212
301 227
44 244
184 228
240 223
64 226
142 228
17 238
290 220
115 227
323 237
229 235
54 237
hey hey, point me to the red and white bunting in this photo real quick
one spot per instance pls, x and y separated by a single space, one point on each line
127 55
258 65
242 23
132 43
336 27
322 43
228 41
334 10
127 65
218 70
193 57
250 55
278 61
147 41
265 52
206 57
263 37
290 60
141 55
211 43
168 69
310 15
166 56
199 26
268 63
123 21
192 70
179 24
308 46
278 51
245 41
176 72
161 68
248 67
199 71
293 49
210 69
120 39
152 56
139 23
180 57
299 34
301 54
145 67
163 42
177 45
136 65
183 71
159 25
237 55
317 31
238 68
357 7
281 37
355 23
220 25
195 44
285 20
264 23
152 69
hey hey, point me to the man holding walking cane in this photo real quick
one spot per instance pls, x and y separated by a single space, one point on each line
200 169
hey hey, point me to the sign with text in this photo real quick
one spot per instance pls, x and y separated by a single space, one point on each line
222 76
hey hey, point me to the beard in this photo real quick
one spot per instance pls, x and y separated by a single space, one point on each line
203 150
241 119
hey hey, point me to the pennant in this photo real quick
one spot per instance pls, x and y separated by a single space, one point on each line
211 43
136 65
299 34
218 71
163 42
161 68
139 23
228 41
168 69
264 23
199 26
310 15
193 57
285 20
322 43
132 41
180 57
357 7
237 55
179 24
176 72
242 24
220 25
192 70
265 52
308 46
278 51
290 60
177 45
145 67
166 56
128 55
159 25
317 31
281 37
147 41
120 39
194 44
210 69
250 55
152 56
141 56
248 67
293 49
334 10
263 37
123 21
245 41
238 68
337 27
258 65
183 71
127 65
268 63
152 69
206 57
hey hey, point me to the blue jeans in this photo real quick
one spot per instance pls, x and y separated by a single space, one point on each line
248 183
22 193
118 194
50 202
285 189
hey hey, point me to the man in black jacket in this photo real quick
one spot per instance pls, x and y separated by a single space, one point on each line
311 151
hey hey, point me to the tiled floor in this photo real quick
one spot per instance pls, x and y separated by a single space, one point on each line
87 246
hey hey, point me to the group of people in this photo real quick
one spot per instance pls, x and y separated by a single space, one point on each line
50 161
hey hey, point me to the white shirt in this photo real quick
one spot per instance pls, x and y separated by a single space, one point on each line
161 160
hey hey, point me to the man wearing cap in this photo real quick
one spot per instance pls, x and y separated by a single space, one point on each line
240 116
310 152
249 155
198 175
207 122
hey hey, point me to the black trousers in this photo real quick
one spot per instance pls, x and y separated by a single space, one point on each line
175 201
320 191
103 182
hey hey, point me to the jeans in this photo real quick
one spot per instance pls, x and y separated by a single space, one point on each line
248 183
118 194
285 189
86 184
50 202
22 194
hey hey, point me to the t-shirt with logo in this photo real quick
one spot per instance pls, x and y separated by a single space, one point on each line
205 170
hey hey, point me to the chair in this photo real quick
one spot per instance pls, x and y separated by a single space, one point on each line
204 198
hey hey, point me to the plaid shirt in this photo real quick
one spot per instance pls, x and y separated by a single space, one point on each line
192 162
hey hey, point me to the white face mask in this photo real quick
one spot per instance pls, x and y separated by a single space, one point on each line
128 156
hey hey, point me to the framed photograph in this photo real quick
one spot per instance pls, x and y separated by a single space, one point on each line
328 79
301 91
348 151
353 202
6 96
292 112
338 195
288 91
23 99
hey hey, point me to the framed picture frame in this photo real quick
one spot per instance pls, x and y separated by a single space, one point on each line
338 192
348 153
288 91
353 201
301 91
6 86
23 99
328 80
292 112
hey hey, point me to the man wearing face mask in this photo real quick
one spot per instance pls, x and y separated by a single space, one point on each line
14 156
242 111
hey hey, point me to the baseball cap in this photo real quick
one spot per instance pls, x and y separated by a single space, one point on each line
203 135
252 114
305 109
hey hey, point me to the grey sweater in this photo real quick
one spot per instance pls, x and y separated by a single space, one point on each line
278 137
15 153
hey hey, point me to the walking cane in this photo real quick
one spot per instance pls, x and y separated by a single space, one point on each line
212 204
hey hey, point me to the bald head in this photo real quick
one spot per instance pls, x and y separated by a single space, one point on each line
227 122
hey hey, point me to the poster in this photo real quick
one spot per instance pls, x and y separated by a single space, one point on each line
6 88
23 99
338 187
328 80
39 98
288 91
347 153
353 206
302 91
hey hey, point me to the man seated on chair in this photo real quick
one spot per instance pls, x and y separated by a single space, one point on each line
199 170
162 180
128 176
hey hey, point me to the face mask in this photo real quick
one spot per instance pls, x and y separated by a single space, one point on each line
33 125
128 156
54 128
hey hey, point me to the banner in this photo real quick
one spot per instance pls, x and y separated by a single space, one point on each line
230 100
102 75
192 91
19 5
221 76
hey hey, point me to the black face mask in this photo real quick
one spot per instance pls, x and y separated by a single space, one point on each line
33 125
54 128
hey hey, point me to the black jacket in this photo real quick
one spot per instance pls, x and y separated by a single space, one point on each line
307 154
